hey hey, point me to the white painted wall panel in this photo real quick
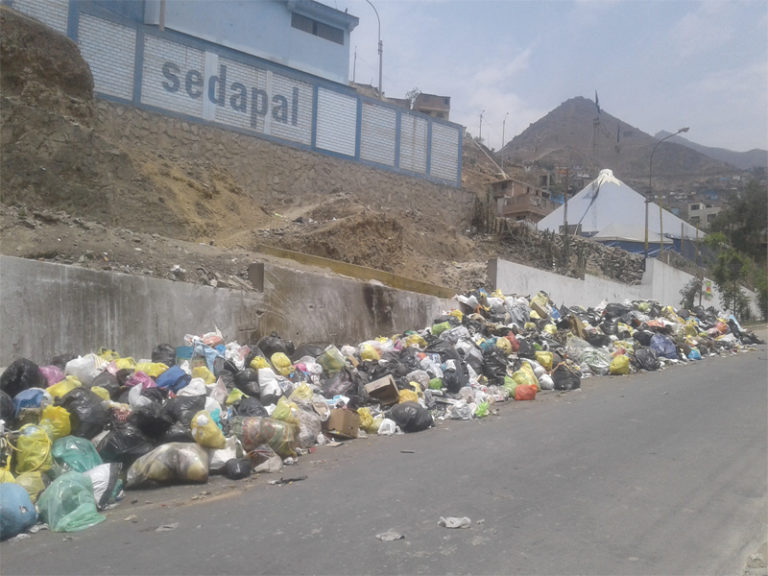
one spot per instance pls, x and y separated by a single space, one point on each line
413 143
378 134
157 90
336 122
445 152
52 13
299 96
242 77
110 51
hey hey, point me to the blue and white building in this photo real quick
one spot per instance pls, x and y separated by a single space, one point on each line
275 69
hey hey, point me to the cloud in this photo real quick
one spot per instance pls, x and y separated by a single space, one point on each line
503 72
704 31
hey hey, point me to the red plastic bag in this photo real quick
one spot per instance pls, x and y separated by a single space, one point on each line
513 340
525 392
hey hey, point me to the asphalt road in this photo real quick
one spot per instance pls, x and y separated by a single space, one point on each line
661 473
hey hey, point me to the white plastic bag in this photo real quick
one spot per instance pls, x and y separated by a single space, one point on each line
387 427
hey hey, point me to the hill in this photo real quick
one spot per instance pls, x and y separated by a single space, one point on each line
575 134
749 160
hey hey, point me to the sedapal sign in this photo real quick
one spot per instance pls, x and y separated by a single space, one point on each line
251 101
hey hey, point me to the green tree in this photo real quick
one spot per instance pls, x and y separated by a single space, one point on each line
729 270
744 221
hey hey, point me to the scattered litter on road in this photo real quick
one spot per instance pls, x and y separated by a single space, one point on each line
454 522
167 527
390 536
284 481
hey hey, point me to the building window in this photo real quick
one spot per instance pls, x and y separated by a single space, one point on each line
695 207
316 28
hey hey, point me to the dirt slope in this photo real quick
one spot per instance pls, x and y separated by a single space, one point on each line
81 185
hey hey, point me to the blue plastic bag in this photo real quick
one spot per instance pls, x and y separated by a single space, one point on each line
17 513
174 379
664 346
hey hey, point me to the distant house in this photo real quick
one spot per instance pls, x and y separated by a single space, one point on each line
702 214
521 201
433 105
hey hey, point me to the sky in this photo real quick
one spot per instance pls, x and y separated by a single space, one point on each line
655 64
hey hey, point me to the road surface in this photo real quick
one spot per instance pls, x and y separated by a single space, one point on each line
653 473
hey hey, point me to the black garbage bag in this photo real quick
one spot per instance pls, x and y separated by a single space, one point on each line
526 350
646 359
273 343
7 409
60 360
109 382
87 413
343 382
566 376
247 380
312 350
495 365
250 407
151 419
164 354
182 408
124 443
178 432
643 336
597 339
455 375
21 375
410 416
238 468
614 310
158 395
223 365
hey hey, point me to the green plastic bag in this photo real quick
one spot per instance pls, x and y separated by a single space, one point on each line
76 454
68 504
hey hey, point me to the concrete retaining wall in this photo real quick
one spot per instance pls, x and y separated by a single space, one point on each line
48 309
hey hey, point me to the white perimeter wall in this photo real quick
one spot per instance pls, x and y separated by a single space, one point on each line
660 282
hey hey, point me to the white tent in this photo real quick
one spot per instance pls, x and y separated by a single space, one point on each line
610 211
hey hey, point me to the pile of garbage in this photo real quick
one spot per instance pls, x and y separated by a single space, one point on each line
79 430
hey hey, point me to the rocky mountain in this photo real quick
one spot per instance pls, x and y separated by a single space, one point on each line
578 135
756 158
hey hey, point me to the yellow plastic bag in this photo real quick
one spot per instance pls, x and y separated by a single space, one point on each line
55 420
302 394
407 396
5 472
526 375
369 352
415 341
205 432
204 373
63 386
282 363
125 363
101 392
286 411
259 362
368 422
458 314
529 326
108 354
33 450
32 482
151 369
505 345
620 365
544 358
235 396
550 329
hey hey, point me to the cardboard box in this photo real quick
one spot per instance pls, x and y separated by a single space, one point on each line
384 390
344 423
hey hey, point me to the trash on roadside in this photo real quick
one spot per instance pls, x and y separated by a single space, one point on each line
79 429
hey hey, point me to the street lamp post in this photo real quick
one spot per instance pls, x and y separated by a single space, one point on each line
480 135
381 47
503 125
650 192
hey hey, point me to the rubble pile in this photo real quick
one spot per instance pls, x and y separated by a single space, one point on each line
79 430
